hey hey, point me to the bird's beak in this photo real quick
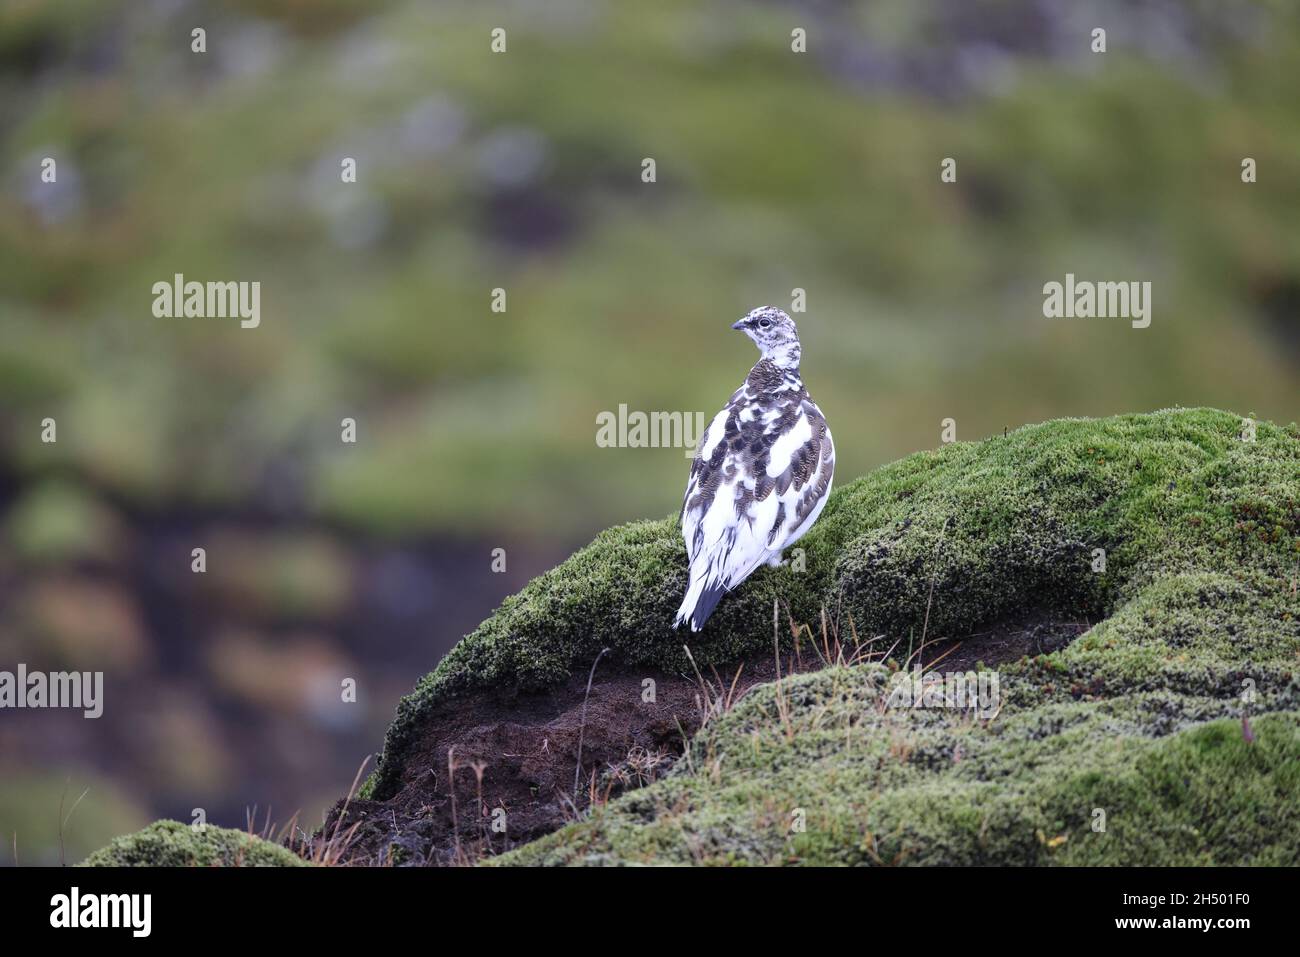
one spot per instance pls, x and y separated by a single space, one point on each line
738 324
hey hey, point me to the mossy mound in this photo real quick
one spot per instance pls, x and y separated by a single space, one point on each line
1200 524
1168 734
173 844
1126 746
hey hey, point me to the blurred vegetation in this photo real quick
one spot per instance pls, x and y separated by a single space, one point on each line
34 804
522 171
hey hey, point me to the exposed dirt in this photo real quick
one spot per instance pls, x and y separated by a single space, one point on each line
518 754
1038 634
510 760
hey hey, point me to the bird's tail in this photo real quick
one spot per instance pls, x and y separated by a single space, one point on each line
701 598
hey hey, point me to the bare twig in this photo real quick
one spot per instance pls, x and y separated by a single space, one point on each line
451 789
582 727
782 706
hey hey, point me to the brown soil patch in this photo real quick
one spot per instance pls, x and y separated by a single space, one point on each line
517 754
1003 643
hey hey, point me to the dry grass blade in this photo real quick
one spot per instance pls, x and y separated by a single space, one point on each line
582 726
782 703
63 821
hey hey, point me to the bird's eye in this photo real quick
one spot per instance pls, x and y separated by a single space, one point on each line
764 323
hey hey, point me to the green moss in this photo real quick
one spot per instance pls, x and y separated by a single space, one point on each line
173 844
1201 532
1153 778
1126 747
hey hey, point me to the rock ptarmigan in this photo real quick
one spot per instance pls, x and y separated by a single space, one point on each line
762 472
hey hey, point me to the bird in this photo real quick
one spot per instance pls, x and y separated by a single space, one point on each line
761 473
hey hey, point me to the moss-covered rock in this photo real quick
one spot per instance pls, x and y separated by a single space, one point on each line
1138 724
173 844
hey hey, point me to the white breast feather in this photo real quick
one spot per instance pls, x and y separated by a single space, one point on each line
785 446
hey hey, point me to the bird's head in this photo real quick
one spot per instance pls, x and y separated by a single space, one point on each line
774 333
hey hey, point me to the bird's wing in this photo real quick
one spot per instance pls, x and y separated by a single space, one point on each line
702 483
804 470
704 478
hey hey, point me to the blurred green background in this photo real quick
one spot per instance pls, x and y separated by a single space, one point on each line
476 429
